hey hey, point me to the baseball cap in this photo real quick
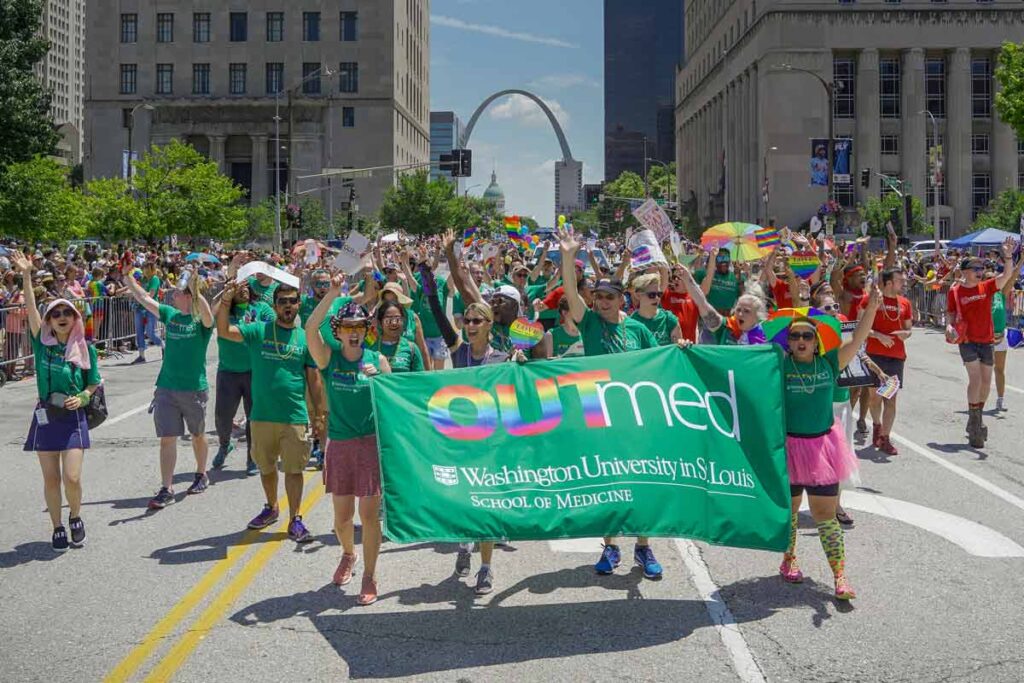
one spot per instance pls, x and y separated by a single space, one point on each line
507 291
610 286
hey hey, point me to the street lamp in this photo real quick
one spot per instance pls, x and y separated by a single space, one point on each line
830 89
668 174
131 125
766 188
935 173
465 192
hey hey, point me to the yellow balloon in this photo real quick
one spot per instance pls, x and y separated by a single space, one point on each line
561 220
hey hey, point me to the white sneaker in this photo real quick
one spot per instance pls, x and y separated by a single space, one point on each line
999 404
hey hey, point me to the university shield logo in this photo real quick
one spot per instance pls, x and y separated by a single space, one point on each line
448 476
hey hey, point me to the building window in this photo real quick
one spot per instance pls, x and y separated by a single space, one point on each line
200 79
844 194
348 117
890 144
164 79
236 78
201 27
935 86
349 26
981 193
889 87
275 76
129 28
311 26
239 27
129 74
311 70
165 27
844 88
1020 182
275 27
348 77
979 143
981 88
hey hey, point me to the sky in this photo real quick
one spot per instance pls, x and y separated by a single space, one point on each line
554 49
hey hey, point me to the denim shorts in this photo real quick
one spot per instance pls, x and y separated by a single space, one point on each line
436 347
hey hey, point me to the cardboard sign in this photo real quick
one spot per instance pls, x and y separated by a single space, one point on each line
312 252
524 334
350 258
644 247
260 268
653 217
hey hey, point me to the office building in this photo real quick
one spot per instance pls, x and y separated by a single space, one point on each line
350 80
445 132
643 46
750 100
62 71
568 187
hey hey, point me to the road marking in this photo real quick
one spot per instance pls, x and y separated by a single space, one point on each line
122 416
141 652
976 539
179 654
742 659
1019 391
961 472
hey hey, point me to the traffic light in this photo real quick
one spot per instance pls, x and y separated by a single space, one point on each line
865 177
465 162
447 163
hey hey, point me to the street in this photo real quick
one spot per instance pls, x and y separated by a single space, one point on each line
188 594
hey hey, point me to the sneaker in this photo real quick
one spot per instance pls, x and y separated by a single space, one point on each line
1000 405
876 435
222 455
844 591
610 559
790 571
267 516
343 574
139 361
885 445
316 459
60 539
162 499
368 593
643 556
199 484
462 562
862 428
77 532
484 581
251 468
297 531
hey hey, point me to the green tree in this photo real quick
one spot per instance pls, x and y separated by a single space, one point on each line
25 126
260 221
1010 98
113 213
469 212
38 203
876 212
1003 213
418 205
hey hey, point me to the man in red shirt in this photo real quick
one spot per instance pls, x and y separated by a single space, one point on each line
890 329
677 301
969 308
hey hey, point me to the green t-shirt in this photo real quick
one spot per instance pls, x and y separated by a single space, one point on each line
350 413
54 374
422 307
307 306
661 325
279 358
234 356
263 293
601 337
403 356
153 286
534 292
185 342
810 388
565 345
998 313
458 305
410 326
725 289
841 395
501 338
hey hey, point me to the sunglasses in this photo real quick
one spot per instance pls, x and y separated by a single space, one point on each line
288 301
61 313
321 285
520 275
653 295
352 325
977 269
830 307
392 319
476 321
802 336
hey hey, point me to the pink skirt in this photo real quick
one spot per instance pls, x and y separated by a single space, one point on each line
820 460
352 468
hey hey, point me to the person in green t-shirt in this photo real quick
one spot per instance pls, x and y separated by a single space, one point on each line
234 374
999 304
563 340
145 322
817 454
352 467
720 286
740 326
67 377
436 348
413 331
647 294
281 369
319 282
263 287
179 401
391 342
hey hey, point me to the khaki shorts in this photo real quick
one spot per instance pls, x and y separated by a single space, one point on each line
271 440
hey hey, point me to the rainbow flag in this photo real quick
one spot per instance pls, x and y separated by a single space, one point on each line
468 237
513 228
767 238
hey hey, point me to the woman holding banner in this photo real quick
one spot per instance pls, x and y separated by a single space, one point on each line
351 465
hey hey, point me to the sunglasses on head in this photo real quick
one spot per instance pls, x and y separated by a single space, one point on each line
288 301
62 313
476 321
653 295
802 336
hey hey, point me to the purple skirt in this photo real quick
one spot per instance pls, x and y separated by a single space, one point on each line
62 434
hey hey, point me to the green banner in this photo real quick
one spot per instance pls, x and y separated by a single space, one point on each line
663 442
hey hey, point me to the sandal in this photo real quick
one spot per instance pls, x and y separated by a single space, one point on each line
843 518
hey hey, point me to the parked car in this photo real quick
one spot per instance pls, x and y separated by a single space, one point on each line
928 247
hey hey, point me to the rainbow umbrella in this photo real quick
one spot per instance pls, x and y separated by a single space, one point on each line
830 332
739 238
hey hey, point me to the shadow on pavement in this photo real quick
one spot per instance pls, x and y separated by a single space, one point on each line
750 598
212 548
35 551
872 454
954 448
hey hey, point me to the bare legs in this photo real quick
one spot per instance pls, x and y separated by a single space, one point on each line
169 457
62 468
344 528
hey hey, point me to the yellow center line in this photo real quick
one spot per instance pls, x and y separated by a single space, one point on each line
141 652
179 654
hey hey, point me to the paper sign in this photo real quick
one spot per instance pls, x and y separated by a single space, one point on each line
645 249
312 252
653 217
260 268
591 244
524 334
350 258
677 244
890 388
490 251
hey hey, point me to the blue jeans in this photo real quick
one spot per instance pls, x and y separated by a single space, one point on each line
145 326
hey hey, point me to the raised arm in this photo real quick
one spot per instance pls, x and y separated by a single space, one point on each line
711 318
848 351
568 247
409 279
890 251
24 266
1009 271
463 281
225 330
538 269
318 349
140 295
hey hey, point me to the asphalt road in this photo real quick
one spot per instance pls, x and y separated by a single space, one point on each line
187 594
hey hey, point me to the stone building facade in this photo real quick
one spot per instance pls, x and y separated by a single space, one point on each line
745 111
62 71
215 73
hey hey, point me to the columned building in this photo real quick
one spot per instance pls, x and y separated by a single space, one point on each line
349 81
906 77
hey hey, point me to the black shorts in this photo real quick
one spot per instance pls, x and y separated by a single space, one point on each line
824 490
890 366
972 351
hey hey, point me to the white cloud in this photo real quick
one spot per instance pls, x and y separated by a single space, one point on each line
528 112
565 81
498 31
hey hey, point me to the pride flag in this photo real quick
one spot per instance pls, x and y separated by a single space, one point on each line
468 237
767 238
513 228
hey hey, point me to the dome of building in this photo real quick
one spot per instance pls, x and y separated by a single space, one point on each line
494 193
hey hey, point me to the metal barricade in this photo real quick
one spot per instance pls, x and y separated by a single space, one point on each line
15 345
928 302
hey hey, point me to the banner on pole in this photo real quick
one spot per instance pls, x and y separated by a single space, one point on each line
652 216
662 442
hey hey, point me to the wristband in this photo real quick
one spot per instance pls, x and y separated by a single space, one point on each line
84 397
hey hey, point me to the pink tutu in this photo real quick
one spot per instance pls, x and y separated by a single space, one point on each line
820 460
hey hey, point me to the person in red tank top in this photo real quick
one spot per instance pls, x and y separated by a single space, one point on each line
889 330
678 301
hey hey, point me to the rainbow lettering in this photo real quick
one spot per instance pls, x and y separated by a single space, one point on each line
439 411
512 418
586 387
